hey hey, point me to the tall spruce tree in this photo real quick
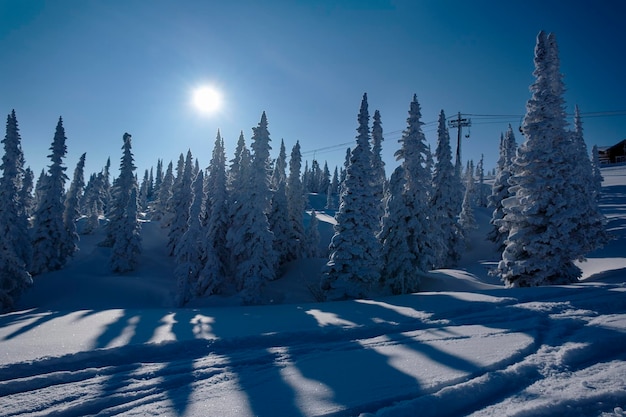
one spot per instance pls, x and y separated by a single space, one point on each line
398 274
413 154
250 239
543 217
127 246
15 248
296 203
590 232
500 189
353 268
180 203
51 240
214 276
443 201
188 248
124 229
379 178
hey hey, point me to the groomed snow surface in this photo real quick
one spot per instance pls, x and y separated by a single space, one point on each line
85 342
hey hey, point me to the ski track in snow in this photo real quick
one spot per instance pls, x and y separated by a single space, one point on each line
497 354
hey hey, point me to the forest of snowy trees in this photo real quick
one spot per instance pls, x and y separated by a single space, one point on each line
233 224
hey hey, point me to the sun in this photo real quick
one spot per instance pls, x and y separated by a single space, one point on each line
207 99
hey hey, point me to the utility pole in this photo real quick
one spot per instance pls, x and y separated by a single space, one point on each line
458 124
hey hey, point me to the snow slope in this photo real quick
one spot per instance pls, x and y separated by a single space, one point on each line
85 342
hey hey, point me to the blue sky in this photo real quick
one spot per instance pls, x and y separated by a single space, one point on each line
110 67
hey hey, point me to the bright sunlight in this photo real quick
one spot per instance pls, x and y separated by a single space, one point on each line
207 99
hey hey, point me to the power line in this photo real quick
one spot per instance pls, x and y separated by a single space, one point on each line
479 119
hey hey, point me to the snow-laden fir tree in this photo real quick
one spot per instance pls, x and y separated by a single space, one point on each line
124 229
15 249
213 277
179 204
249 238
597 174
353 268
127 246
413 153
313 236
398 274
296 203
120 193
443 200
500 188
590 232
379 177
189 247
51 240
72 200
543 216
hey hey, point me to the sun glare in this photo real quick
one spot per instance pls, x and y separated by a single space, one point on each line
207 99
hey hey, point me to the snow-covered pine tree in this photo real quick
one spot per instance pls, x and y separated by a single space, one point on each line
398 274
597 174
443 200
413 154
543 216
127 246
590 233
500 189
296 203
189 247
120 192
72 200
213 277
180 203
313 236
353 268
51 241
379 177
123 230
250 239
15 249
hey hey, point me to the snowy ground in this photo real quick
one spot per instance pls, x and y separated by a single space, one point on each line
88 343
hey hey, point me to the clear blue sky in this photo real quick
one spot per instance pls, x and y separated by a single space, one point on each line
116 66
